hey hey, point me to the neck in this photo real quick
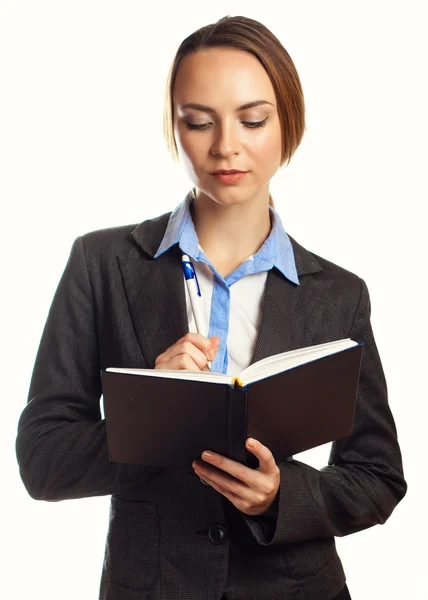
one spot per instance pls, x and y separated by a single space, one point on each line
230 234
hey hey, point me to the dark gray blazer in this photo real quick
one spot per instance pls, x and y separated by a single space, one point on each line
171 537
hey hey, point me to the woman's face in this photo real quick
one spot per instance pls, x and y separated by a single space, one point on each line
222 80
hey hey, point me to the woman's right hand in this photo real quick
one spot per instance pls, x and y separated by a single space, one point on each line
191 353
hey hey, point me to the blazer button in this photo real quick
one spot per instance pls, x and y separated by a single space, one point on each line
203 481
218 534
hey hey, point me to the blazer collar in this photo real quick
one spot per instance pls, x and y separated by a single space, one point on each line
157 303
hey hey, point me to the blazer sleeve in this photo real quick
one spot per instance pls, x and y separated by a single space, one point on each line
61 443
363 481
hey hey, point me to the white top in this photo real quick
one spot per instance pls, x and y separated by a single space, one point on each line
232 308
246 307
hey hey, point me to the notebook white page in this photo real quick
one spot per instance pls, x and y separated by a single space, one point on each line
255 372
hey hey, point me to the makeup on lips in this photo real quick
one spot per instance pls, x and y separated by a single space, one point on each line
230 177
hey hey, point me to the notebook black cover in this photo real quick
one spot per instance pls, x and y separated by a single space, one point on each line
169 422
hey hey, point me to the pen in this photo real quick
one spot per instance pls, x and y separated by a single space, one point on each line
194 293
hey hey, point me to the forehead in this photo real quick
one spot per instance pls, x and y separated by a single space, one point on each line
219 74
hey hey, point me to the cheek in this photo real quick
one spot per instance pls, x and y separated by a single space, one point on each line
190 148
190 156
267 149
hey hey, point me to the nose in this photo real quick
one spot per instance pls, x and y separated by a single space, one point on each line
227 140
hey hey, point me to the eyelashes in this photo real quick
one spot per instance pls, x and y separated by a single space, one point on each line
249 124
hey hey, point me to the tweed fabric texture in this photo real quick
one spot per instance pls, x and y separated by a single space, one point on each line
116 305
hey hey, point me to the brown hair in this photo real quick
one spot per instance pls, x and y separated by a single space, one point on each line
251 36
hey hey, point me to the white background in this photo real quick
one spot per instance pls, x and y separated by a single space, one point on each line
81 148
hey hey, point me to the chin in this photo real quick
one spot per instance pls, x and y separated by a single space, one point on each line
229 197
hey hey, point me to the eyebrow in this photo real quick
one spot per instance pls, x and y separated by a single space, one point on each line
204 108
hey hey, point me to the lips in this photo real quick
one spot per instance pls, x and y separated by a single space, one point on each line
223 172
231 177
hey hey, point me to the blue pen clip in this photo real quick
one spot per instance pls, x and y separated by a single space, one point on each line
190 273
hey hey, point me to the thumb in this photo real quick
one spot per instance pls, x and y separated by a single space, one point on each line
215 341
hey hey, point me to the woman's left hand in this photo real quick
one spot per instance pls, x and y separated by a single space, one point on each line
252 491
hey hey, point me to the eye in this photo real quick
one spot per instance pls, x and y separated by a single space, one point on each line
192 126
253 124
249 124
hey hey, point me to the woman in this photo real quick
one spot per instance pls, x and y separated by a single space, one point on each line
221 530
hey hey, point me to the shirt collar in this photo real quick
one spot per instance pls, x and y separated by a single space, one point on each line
276 251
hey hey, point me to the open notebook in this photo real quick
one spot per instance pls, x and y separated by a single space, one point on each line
259 370
290 402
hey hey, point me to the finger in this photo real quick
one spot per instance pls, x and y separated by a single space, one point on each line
235 469
233 497
187 347
179 362
245 496
267 462
184 347
201 342
215 342
222 482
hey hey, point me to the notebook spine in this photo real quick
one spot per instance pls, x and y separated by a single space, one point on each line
237 424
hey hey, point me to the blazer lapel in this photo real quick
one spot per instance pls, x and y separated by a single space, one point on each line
291 312
157 302
155 291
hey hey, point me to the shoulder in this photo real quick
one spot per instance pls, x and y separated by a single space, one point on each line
125 239
309 262
108 239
